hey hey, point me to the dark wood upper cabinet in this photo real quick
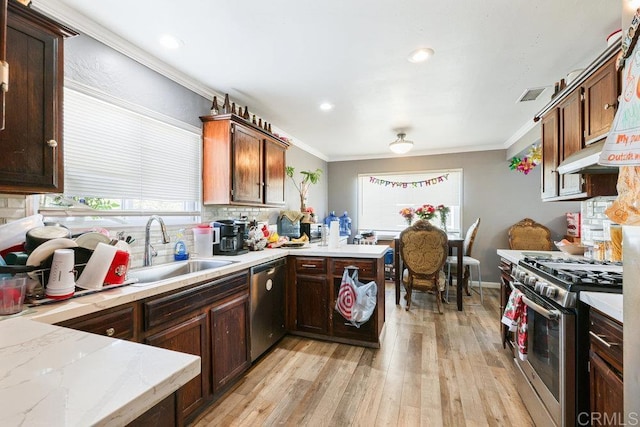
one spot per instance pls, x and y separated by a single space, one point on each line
550 151
31 141
580 115
3 55
274 165
600 101
247 167
241 163
570 140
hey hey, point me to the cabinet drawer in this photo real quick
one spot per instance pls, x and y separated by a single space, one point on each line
172 307
115 324
311 265
606 338
366 267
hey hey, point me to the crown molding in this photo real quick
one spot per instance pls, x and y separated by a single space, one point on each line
70 17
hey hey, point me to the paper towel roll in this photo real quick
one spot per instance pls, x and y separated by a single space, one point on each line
334 234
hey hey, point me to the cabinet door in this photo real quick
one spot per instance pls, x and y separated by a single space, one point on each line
32 138
116 323
188 337
230 340
274 167
549 175
247 165
3 52
570 142
312 308
606 389
600 101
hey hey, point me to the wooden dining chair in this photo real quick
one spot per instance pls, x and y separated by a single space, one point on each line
423 250
467 261
529 235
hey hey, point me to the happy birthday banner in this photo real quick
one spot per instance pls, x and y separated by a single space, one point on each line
413 184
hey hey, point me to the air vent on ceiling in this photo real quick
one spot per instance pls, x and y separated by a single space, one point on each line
531 94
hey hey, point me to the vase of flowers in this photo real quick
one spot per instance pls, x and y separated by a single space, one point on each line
426 212
408 214
443 211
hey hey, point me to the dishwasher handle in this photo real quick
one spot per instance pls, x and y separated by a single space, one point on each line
268 266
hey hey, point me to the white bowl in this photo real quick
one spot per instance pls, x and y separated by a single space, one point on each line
570 249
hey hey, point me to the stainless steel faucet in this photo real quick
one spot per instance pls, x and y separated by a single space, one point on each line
149 252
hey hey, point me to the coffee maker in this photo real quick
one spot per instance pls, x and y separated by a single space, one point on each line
231 240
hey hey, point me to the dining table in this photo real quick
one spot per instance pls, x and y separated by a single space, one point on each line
454 241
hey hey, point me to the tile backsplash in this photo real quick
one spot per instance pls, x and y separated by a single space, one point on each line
592 216
14 207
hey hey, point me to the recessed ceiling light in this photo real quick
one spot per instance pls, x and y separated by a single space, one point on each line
421 55
170 42
326 106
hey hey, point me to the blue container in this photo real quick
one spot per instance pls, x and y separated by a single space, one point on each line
332 217
345 224
388 256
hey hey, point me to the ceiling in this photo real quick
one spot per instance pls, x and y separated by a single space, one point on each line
282 58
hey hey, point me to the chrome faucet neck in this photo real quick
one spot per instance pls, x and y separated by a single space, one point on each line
148 249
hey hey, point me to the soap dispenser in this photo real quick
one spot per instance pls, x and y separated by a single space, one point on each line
180 252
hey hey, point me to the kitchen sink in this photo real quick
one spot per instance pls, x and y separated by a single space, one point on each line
174 269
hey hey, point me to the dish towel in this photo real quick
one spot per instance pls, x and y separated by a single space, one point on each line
515 317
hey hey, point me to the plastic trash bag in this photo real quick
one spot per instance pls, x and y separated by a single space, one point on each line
356 300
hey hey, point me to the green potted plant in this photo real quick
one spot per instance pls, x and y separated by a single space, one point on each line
308 177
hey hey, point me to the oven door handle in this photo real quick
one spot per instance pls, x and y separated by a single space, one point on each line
548 314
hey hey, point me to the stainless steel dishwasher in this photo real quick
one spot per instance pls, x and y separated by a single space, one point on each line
267 305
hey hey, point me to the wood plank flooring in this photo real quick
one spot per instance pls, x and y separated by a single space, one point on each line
432 370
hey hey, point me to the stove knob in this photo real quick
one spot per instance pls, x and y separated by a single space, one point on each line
538 287
531 280
551 292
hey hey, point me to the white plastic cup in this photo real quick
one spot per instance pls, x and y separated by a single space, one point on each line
203 242
12 291
95 271
334 234
62 272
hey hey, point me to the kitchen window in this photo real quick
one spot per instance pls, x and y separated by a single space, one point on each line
123 161
381 196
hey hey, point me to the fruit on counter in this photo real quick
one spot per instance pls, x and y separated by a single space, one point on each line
301 239
273 237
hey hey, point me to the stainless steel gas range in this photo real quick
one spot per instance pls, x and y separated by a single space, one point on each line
556 386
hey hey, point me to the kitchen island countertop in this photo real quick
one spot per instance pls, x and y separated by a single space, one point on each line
61 377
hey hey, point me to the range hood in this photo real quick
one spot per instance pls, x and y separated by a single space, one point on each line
586 161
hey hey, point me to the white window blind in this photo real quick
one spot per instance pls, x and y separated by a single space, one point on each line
115 153
382 196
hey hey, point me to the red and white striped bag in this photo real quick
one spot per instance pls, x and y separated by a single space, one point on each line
346 295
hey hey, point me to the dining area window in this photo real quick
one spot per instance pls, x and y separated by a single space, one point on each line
381 197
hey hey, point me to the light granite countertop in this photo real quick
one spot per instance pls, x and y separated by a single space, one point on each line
76 307
57 376
53 376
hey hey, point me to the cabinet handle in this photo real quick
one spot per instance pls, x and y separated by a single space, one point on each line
601 340
52 143
110 332
308 265
4 76
607 106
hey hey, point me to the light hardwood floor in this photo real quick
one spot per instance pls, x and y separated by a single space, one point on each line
432 369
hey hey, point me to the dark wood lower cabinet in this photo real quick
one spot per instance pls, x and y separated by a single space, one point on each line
163 414
230 348
607 389
312 307
188 337
312 291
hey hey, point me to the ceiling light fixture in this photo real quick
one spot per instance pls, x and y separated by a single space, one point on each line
421 55
326 106
170 42
400 145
